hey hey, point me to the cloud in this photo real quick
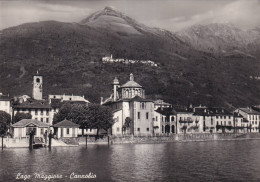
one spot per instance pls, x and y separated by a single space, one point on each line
244 14
18 12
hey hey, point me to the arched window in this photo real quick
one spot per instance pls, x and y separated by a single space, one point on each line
38 80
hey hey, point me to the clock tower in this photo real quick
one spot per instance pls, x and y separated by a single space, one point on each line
37 87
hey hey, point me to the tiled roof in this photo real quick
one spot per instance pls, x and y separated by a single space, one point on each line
32 104
66 124
183 110
138 98
249 111
214 111
25 122
131 84
166 111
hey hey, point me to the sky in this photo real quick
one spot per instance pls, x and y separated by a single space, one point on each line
173 15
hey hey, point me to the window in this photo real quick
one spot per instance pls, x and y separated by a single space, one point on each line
220 117
138 129
229 117
38 80
225 123
41 111
156 118
47 120
47 112
42 131
224 117
138 115
36 112
68 131
211 121
229 122
172 118
142 105
54 109
147 115
117 129
41 119
217 117
147 129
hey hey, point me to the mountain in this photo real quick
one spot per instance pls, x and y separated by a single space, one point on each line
68 55
221 38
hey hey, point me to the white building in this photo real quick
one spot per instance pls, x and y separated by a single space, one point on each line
5 104
252 116
128 102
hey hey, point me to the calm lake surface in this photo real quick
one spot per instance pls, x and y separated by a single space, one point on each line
193 161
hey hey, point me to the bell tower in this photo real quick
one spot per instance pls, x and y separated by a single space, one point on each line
37 87
116 85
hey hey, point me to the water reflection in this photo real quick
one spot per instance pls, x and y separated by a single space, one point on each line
197 161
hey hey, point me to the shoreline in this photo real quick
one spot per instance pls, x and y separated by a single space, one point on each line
148 140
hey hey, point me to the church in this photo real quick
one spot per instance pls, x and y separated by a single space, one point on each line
133 113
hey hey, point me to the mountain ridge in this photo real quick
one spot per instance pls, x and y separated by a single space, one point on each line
69 56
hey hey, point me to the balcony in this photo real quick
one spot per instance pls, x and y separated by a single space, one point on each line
185 121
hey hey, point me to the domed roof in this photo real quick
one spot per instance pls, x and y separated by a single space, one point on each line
131 83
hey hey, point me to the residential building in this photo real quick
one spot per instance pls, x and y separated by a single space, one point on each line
5 104
252 116
164 121
161 104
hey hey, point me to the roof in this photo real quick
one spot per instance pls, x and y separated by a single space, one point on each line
57 103
26 122
66 124
32 104
237 115
161 102
138 99
249 111
131 84
183 110
165 111
213 111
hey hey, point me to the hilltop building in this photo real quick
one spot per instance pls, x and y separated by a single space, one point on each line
129 103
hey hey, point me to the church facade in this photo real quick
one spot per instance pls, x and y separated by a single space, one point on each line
133 113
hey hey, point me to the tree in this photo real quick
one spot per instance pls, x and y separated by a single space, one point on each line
99 117
20 115
5 121
75 112
127 123
63 113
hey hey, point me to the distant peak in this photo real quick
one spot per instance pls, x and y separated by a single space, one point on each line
110 8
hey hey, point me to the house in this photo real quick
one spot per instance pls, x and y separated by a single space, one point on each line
186 122
161 104
25 126
252 116
164 121
128 102
214 119
5 103
65 129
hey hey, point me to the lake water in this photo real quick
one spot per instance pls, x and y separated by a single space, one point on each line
191 161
